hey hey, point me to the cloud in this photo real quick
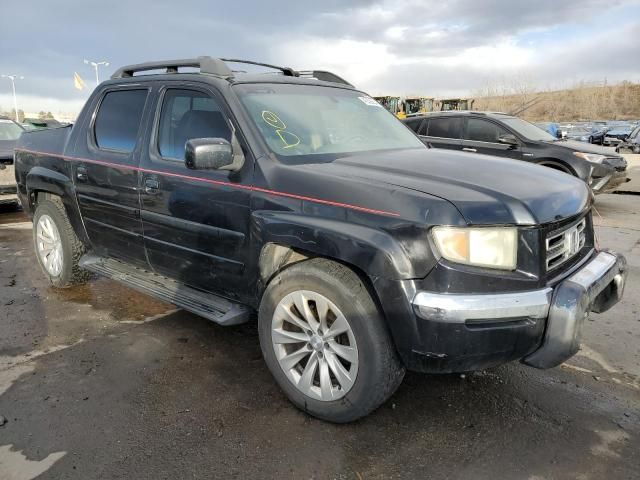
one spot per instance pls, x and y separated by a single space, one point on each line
400 46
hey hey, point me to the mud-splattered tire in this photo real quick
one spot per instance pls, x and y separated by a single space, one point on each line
57 247
338 377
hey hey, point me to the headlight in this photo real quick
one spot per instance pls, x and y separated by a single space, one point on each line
483 247
590 157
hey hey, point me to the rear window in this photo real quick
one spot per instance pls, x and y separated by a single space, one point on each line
445 127
118 120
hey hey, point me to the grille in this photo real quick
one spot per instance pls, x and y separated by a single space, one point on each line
564 245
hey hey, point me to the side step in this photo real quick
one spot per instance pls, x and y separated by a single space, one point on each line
207 305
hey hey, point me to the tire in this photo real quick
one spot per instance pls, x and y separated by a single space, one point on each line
51 216
378 370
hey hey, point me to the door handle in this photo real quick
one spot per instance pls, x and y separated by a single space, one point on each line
151 186
81 173
466 149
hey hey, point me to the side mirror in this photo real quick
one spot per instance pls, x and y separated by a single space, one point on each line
211 154
508 139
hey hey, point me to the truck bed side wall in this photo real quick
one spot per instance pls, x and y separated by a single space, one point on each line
41 168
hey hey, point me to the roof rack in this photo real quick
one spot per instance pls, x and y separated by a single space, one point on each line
219 67
324 76
287 71
214 66
210 65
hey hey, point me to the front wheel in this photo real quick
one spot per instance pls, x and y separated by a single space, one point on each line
326 343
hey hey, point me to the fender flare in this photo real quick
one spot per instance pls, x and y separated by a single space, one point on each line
41 179
373 251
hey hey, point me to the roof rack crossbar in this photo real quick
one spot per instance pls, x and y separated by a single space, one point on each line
287 71
210 65
324 76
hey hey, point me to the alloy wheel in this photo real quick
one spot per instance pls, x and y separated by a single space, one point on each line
49 245
314 345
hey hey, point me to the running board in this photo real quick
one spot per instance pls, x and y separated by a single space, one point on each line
207 305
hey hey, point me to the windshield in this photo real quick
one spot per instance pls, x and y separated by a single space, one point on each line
9 130
305 120
528 130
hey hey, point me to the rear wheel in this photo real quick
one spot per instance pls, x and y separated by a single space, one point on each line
325 341
57 247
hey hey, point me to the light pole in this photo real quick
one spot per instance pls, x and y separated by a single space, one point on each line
12 79
95 66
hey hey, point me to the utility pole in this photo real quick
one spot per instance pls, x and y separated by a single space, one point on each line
95 66
12 79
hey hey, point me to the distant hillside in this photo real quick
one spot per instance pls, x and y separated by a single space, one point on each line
583 102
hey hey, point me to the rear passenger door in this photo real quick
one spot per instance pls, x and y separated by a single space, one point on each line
481 136
442 132
196 222
105 173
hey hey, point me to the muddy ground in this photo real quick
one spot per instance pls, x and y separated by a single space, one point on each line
101 382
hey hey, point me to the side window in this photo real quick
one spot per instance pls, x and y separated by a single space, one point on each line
483 131
118 119
188 114
445 127
424 127
414 124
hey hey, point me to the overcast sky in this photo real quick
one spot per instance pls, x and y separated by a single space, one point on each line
435 48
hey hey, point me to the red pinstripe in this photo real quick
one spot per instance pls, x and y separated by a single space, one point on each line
221 183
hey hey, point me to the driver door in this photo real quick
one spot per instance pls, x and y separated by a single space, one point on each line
195 222
481 136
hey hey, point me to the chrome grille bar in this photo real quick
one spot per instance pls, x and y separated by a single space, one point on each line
564 245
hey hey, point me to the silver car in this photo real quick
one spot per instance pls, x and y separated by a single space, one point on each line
10 131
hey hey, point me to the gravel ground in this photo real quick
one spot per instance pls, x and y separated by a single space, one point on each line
101 382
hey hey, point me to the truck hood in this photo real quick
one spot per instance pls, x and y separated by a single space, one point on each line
576 146
486 190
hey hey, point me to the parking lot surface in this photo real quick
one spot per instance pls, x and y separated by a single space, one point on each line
99 381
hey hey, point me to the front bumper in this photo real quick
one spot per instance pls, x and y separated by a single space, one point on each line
609 182
542 327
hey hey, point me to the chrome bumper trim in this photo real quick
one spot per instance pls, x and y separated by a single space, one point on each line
457 308
596 287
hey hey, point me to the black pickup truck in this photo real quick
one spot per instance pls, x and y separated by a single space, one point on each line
296 196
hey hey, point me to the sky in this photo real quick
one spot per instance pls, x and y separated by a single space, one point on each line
432 48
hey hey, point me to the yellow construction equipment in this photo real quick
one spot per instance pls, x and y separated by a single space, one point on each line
454 104
394 104
417 105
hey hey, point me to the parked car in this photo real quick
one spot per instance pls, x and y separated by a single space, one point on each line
362 251
617 134
503 135
585 134
632 143
598 133
10 131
